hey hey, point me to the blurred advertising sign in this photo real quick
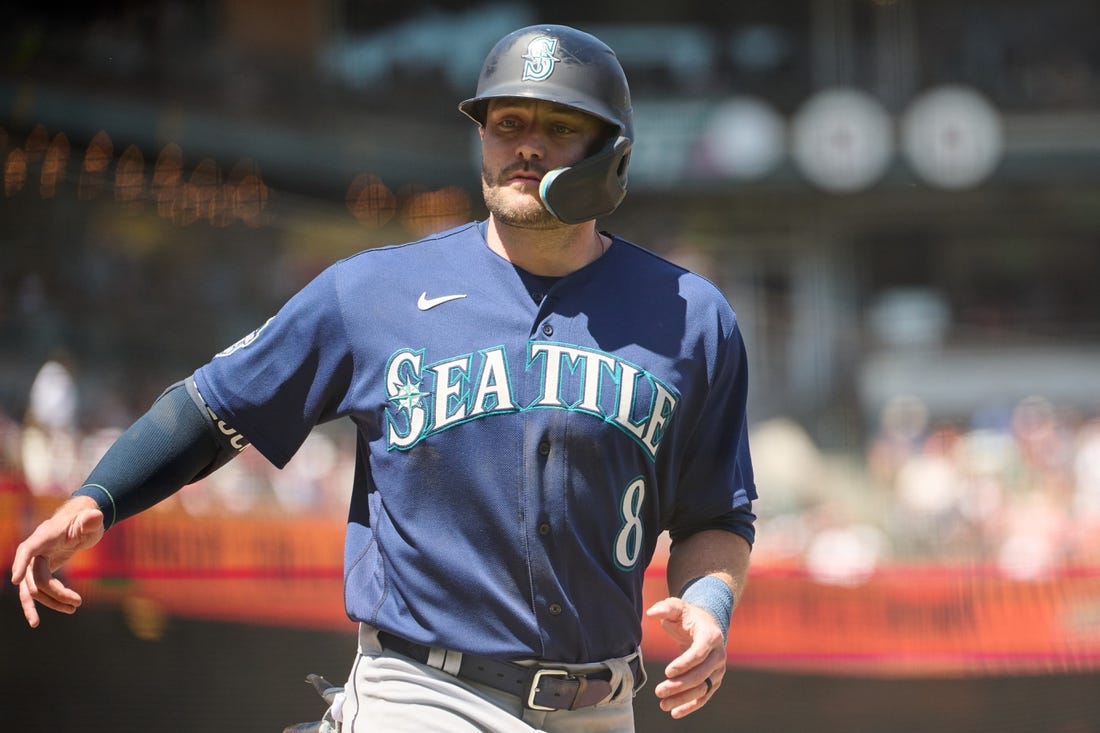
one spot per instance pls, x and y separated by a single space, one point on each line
929 620
914 621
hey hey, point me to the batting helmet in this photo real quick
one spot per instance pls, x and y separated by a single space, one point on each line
556 63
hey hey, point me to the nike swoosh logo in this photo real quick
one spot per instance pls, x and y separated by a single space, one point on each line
425 303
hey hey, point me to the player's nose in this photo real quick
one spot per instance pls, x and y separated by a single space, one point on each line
532 144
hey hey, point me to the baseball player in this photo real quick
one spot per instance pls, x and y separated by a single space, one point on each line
536 400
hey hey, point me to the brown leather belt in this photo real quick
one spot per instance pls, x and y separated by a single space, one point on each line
541 687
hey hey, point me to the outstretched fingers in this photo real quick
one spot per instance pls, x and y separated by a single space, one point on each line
695 696
694 675
75 526
38 585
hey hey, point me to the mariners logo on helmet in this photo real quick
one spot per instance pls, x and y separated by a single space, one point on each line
539 60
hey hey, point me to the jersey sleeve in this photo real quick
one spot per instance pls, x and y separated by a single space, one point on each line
292 373
716 484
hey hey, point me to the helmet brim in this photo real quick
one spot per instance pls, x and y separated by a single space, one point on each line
477 108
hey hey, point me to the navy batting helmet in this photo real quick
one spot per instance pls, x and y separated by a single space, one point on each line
556 63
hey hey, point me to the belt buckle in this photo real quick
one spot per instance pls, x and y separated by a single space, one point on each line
534 687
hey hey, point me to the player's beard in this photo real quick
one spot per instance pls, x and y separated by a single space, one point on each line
509 206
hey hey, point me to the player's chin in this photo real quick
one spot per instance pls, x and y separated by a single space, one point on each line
519 209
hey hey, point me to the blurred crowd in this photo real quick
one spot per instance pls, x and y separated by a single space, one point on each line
1014 491
47 454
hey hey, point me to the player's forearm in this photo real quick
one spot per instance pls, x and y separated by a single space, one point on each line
712 552
167 448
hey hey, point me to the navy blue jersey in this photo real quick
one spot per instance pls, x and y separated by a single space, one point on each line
519 450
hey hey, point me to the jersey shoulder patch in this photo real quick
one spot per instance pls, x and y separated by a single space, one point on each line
244 341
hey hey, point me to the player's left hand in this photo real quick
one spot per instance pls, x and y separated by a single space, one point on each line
703 656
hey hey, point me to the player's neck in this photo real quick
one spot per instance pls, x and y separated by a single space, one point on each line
547 252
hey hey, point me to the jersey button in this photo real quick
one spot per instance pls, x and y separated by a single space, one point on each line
547 329
554 609
536 296
544 448
544 529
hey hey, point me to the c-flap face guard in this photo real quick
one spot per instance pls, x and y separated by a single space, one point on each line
592 188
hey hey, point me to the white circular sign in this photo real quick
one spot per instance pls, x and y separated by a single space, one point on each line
842 139
743 138
952 137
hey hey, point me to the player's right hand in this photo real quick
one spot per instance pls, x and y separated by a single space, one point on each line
76 525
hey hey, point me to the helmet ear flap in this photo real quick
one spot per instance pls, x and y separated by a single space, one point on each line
592 188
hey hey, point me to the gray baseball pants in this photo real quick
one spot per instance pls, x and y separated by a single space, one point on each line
388 692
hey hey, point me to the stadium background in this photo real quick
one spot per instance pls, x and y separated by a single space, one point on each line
900 198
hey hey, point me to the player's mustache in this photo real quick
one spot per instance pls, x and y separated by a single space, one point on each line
522 166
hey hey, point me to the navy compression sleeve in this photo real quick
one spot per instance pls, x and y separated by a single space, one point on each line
173 444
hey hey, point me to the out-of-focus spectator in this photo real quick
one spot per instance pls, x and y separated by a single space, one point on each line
846 555
53 398
49 440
